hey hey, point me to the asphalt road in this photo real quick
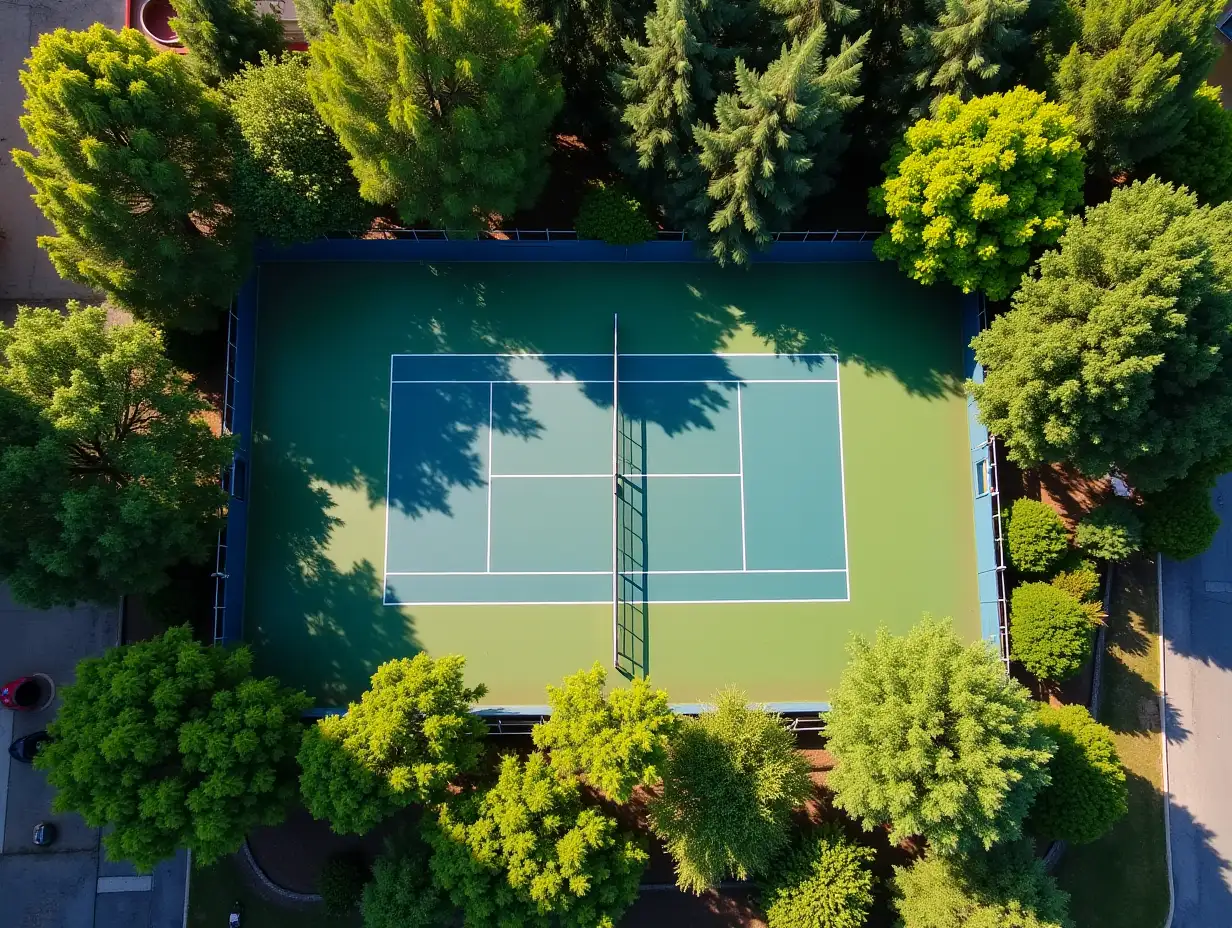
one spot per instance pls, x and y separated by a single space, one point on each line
1197 616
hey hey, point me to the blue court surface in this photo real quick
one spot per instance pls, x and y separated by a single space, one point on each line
590 501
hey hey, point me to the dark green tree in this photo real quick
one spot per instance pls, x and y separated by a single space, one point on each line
224 35
401 893
964 51
800 18
1007 888
1111 531
133 166
1201 159
825 882
410 734
1178 521
617 741
170 744
109 473
931 736
612 214
1050 633
527 853
1117 355
1087 794
293 179
444 108
340 884
731 780
775 143
1131 74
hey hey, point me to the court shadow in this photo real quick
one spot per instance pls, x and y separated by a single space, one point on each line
317 623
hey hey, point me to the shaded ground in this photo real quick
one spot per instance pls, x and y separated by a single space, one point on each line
1121 879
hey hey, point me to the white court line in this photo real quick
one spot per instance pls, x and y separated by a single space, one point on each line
605 476
389 457
842 481
624 354
744 548
569 380
608 602
561 380
491 388
604 573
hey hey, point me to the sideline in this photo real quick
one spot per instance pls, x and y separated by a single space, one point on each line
1163 735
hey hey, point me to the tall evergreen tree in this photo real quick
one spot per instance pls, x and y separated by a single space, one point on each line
224 35
801 17
1131 75
316 17
774 145
443 107
963 52
132 164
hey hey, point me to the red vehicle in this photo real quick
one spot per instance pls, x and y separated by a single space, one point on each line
28 694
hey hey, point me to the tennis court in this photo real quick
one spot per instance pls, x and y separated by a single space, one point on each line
710 477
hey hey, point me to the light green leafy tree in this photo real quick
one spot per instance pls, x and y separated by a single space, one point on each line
617 742
775 143
1201 159
444 108
1087 795
732 777
1037 538
223 35
1008 888
410 735
293 178
170 744
1117 355
109 473
973 189
1131 74
1051 633
527 853
132 164
963 51
930 735
825 882
316 17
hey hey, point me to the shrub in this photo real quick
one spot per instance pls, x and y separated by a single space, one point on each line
1202 157
922 718
1088 792
732 778
1178 521
292 176
526 852
824 883
1038 539
1007 888
1111 531
341 882
401 893
972 190
1050 633
222 35
1080 582
409 735
613 215
617 741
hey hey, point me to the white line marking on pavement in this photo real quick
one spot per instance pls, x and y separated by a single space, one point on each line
124 884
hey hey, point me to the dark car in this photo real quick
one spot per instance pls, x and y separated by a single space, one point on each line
24 750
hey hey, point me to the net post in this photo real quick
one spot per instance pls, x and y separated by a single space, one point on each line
615 492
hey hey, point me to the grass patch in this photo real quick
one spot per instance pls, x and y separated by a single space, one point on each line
1121 879
215 889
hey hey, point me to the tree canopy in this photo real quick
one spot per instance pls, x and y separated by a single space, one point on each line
293 178
931 736
825 882
170 744
617 742
1117 355
1201 159
527 853
109 473
132 164
731 780
410 734
1087 794
224 35
1050 632
443 108
1036 537
972 190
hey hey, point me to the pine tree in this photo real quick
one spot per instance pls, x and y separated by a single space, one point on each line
132 165
774 145
963 52
801 17
443 107
316 17
1130 77
224 35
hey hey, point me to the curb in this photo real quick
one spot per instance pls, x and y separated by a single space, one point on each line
280 891
1163 735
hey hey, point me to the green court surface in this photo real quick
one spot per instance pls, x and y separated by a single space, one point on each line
720 489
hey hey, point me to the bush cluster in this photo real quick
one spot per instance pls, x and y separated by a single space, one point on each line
613 215
341 882
1051 635
1037 536
825 882
1111 531
1088 793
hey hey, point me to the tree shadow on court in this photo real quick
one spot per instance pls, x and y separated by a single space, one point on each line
314 623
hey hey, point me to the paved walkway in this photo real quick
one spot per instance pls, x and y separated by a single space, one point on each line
1197 617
